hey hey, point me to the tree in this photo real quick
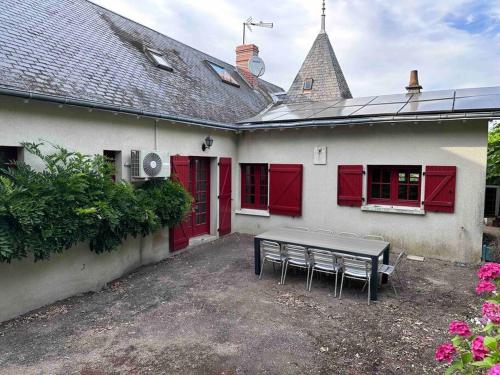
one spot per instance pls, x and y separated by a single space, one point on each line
493 170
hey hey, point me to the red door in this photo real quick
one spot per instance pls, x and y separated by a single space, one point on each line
200 190
224 196
179 235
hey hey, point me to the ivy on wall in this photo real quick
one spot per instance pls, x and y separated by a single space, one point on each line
74 199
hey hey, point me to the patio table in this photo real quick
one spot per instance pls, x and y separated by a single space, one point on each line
353 246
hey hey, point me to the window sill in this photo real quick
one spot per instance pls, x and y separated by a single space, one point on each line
251 212
393 209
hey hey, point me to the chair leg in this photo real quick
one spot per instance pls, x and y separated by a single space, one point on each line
393 286
284 275
311 278
307 277
262 268
282 271
336 277
364 286
368 292
341 286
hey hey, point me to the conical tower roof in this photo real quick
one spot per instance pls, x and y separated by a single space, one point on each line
321 65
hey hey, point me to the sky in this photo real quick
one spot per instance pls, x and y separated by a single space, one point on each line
452 43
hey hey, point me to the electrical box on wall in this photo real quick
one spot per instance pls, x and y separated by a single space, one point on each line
320 155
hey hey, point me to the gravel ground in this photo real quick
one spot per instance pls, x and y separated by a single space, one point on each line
205 312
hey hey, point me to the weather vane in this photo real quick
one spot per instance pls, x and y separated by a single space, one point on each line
250 22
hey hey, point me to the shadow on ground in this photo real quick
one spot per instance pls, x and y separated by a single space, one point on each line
204 312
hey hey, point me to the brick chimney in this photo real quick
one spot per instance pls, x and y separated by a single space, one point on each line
244 53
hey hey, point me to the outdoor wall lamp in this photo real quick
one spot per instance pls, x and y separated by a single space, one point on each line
209 141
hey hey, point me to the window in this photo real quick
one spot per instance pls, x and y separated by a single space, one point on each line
308 84
395 185
159 60
223 74
254 186
8 156
114 157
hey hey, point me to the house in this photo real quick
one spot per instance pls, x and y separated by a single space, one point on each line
408 166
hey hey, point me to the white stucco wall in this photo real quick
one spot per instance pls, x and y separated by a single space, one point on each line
455 237
26 285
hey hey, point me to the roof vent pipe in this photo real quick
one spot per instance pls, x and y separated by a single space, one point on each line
413 87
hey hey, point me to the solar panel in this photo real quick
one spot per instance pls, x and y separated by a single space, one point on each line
297 115
320 105
337 111
433 95
477 102
442 105
395 98
477 91
354 101
379 109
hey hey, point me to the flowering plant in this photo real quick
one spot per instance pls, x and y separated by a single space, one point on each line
477 350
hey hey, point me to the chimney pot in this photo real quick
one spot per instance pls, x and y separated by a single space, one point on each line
244 53
413 87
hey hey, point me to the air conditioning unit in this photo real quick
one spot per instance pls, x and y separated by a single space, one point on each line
149 164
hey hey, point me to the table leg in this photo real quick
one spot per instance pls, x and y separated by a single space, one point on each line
256 250
374 279
385 278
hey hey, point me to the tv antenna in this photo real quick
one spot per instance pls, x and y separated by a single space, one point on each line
250 22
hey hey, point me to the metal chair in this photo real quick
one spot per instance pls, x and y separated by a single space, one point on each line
356 268
324 261
305 229
348 235
373 237
377 238
387 269
272 252
296 256
325 231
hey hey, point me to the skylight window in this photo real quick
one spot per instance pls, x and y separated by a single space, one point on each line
223 74
308 84
159 60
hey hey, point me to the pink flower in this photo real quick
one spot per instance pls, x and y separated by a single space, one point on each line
491 311
479 351
460 328
489 271
485 286
495 370
445 352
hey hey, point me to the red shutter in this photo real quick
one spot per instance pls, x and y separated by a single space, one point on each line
440 188
350 185
179 235
285 189
224 196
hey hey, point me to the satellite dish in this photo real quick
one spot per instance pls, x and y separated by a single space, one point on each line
256 66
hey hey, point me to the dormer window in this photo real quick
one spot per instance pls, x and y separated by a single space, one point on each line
308 84
159 60
223 74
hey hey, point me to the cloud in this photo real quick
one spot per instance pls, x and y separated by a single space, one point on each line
453 43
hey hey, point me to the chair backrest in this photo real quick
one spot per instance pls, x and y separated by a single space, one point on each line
399 258
324 231
347 235
373 237
357 265
298 228
323 257
295 252
270 248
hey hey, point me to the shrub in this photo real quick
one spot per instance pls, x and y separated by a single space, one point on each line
74 199
477 350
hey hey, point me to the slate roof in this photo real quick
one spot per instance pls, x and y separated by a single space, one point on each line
322 66
76 49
